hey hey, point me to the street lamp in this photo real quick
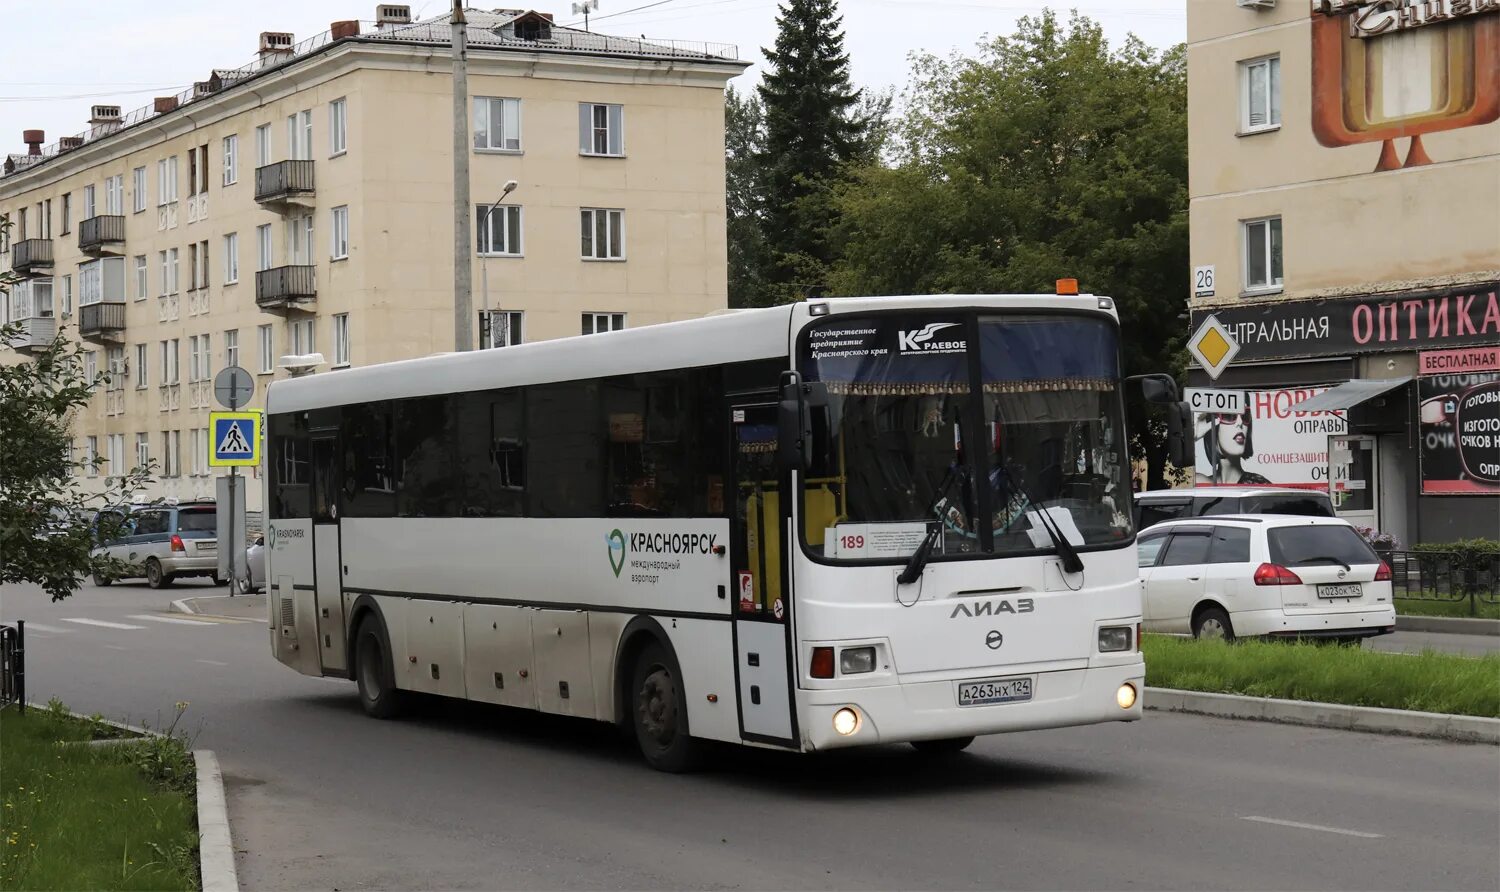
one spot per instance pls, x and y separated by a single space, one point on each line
484 262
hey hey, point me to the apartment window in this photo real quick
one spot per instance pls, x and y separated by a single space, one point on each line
599 323
197 357
299 240
1263 254
142 378
299 135
171 453
170 353
193 267
603 234
140 277
114 362
499 229
263 145
192 157
67 212
267 350
90 366
114 194
21 224
232 347
172 270
138 188
166 181
198 170
341 339
161 257
231 159
89 206
601 129
67 295
339 232
200 265
142 450
338 127
199 448
44 208
263 246
302 340
497 124
116 444
231 258
91 455
1260 95
499 328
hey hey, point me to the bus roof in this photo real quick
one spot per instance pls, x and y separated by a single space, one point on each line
722 337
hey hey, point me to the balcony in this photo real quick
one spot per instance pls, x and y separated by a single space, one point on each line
102 321
285 183
32 257
104 234
36 334
286 288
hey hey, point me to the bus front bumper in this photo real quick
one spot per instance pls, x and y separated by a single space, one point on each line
930 710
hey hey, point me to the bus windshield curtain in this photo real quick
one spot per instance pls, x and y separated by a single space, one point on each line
1036 355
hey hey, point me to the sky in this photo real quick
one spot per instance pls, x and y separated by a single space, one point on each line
145 48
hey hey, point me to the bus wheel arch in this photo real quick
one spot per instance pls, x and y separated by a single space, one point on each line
370 640
653 698
640 633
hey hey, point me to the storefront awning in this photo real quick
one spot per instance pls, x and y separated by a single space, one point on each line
1348 394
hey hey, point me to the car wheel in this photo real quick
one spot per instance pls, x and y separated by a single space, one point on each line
373 672
948 746
220 581
658 708
1213 623
155 576
102 581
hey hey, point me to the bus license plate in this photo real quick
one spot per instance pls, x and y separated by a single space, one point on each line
995 690
1339 590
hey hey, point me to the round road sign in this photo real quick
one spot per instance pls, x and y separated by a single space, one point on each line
233 387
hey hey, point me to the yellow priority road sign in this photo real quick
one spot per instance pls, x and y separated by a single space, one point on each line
1213 346
234 439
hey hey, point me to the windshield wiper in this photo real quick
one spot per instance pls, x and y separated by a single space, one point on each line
919 557
1070 560
1327 557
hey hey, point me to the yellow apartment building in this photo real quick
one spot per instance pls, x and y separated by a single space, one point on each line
304 204
1344 167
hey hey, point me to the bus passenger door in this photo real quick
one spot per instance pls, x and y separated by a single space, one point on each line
328 567
762 608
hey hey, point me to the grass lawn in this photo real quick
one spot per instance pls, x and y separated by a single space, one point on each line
1448 608
73 816
1429 682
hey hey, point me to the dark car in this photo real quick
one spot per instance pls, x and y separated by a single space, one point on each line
1158 505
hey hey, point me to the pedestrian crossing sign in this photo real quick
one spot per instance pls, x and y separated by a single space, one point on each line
234 439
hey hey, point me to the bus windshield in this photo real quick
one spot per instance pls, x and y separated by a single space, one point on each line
925 434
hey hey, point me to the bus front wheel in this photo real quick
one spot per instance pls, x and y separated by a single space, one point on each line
658 709
373 673
946 747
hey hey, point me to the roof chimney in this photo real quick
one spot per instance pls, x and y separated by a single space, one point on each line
68 143
275 47
104 114
388 14
340 30
33 140
164 104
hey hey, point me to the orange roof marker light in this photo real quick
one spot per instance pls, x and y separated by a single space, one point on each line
1067 287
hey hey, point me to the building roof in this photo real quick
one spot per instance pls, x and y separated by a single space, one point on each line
487 30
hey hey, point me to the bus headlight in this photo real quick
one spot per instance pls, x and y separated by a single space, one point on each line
1113 639
846 721
1125 696
854 660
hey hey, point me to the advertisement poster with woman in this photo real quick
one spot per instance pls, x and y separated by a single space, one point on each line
1268 444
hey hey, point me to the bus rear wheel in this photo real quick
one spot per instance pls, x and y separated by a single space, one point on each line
658 708
373 674
948 746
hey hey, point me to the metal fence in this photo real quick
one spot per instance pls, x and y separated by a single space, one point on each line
1445 577
13 665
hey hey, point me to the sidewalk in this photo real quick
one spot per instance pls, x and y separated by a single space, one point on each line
237 607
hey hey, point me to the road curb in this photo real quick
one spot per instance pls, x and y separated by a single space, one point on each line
1442 726
215 848
1452 625
181 605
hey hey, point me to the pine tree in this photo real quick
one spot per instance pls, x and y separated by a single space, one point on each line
813 130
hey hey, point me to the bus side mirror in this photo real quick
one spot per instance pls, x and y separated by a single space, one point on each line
1157 388
1180 434
791 435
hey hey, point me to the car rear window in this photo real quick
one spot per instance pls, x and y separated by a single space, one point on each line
1310 505
1303 545
201 520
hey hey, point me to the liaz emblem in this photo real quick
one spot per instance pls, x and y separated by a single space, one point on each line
616 540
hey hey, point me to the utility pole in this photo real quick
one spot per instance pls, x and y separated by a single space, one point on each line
463 273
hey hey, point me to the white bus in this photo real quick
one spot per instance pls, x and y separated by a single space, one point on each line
829 524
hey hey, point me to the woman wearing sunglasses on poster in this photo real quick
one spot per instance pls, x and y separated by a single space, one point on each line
1226 443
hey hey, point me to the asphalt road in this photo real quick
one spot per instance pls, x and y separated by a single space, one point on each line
473 797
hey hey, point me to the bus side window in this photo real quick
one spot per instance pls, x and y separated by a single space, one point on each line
564 450
289 467
369 481
427 480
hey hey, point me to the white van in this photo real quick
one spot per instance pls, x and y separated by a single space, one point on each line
1241 576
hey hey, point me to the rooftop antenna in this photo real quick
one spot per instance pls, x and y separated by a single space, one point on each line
584 8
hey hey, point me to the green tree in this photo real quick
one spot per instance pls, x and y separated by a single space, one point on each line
745 202
46 515
1047 155
816 124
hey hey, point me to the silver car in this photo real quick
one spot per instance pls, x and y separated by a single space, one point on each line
164 543
254 579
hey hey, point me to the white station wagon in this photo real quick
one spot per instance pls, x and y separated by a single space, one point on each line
1268 575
